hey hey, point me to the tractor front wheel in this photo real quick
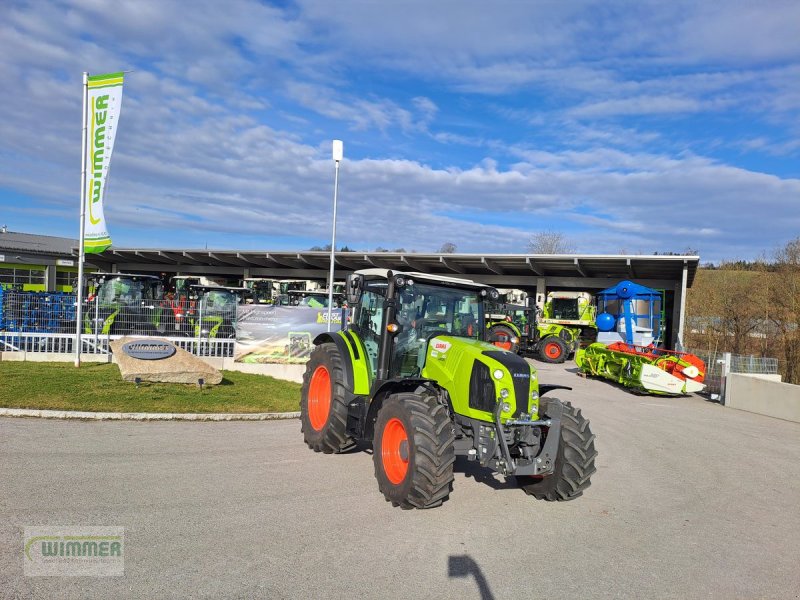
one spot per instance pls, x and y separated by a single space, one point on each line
574 464
413 451
502 336
323 408
552 350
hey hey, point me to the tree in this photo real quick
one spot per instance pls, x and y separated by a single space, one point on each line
327 248
550 242
784 300
448 248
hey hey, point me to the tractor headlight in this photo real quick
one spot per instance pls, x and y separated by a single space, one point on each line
504 393
399 281
514 339
506 407
534 395
498 373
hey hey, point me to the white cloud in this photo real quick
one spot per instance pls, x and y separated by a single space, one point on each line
228 117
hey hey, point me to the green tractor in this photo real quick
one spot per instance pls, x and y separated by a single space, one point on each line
575 310
515 328
413 377
124 304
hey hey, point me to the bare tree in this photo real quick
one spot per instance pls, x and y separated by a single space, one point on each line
550 242
784 299
448 248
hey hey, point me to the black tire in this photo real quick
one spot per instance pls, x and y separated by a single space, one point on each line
502 334
324 431
552 350
574 465
429 451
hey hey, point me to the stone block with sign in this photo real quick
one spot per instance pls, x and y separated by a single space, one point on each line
160 361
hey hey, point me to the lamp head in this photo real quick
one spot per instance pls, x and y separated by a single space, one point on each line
338 150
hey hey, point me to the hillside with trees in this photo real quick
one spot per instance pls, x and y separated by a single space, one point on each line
749 308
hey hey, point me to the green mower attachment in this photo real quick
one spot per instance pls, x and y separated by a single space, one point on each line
645 369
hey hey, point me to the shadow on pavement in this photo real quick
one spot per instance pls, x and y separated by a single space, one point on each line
473 470
464 566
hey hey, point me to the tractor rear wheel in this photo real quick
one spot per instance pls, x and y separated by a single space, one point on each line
413 451
552 350
323 408
574 462
502 336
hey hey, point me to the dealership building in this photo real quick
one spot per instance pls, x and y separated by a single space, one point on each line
46 263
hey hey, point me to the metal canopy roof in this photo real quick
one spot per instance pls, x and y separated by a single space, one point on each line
14 241
643 267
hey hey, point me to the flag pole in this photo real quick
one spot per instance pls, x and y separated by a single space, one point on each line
81 253
338 154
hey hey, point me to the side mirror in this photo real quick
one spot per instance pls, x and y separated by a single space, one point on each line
353 286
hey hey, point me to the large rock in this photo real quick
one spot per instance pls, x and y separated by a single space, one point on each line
181 367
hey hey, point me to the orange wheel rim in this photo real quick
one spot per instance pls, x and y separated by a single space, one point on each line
319 398
395 451
503 340
552 350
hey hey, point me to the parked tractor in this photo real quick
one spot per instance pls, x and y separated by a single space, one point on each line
515 328
124 303
263 290
571 309
314 299
414 377
214 313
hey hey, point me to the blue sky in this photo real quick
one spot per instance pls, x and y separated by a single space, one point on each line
629 126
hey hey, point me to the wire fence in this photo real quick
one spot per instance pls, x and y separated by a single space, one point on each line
46 322
720 364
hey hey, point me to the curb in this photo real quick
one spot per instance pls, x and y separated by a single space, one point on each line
117 416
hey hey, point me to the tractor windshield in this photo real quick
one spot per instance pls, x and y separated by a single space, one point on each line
566 308
219 301
123 290
425 311
431 309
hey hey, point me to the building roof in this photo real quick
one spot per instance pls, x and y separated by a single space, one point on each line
601 266
29 243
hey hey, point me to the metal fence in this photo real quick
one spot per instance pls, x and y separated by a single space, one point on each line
42 322
64 343
720 364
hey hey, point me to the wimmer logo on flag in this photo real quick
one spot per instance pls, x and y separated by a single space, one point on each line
104 105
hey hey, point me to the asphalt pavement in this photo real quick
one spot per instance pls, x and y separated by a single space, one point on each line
690 500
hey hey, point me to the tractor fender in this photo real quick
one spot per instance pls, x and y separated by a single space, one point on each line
357 376
386 389
511 326
344 351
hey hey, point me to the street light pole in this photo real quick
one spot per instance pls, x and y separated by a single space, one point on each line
338 154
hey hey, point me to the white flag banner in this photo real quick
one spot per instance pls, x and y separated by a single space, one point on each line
104 105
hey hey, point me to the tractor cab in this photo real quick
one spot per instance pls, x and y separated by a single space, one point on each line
263 290
123 303
125 289
214 313
285 286
417 308
314 299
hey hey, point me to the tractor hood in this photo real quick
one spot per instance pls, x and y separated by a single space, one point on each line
483 374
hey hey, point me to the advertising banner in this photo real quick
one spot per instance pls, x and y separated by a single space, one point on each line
104 98
279 334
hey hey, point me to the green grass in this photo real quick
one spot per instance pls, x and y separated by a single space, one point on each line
100 388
